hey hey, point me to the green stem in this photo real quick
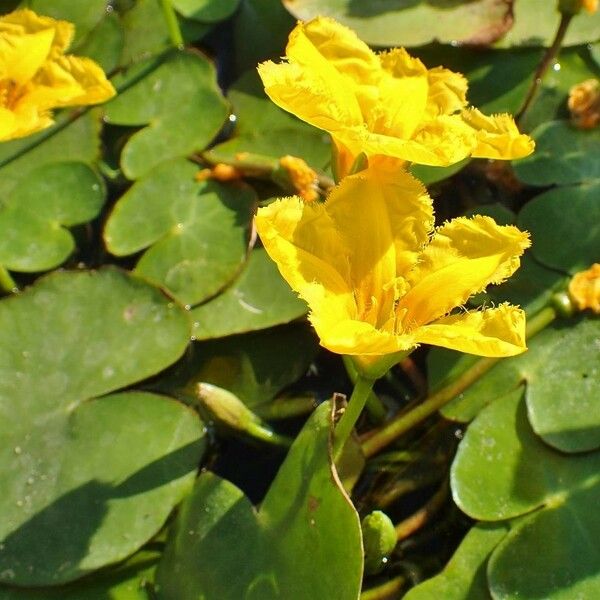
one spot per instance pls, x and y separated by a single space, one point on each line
549 56
386 590
7 283
404 422
375 407
172 24
357 401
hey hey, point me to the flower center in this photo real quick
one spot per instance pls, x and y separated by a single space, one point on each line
10 93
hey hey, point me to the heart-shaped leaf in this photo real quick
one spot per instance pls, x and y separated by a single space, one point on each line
207 11
257 299
560 370
563 155
562 238
175 128
218 532
464 577
390 23
264 130
104 43
32 220
196 233
88 480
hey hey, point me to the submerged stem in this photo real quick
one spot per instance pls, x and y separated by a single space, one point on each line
386 590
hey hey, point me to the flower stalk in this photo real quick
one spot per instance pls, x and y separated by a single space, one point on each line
172 24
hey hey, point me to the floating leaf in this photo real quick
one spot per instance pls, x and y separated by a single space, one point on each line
147 32
176 128
560 370
503 470
258 298
66 141
264 130
390 23
84 15
207 11
125 582
252 365
218 532
33 217
536 22
88 479
563 155
565 227
197 233
464 577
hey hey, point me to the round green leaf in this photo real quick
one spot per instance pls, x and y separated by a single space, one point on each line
390 23
563 155
176 128
87 481
207 11
218 532
536 22
565 227
503 470
104 43
32 220
464 577
125 582
560 371
84 15
197 233
553 554
257 299
147 33
77 141
251 366
264 130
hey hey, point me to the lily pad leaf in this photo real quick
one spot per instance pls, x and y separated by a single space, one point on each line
563 155
147 33
464 577
32 220
560 371
390 23
218 532
561 238
264 131
196 232
536 22
175 128
76 140
207 11
128 581
568 567
257 299
251 365
88 475
501 470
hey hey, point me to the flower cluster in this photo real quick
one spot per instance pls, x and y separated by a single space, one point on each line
37 76
378 277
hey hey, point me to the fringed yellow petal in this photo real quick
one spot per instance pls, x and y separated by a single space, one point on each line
494 332
21 56
338 45
447 92
71 81
303 241
399 63
463 258
312 96
497 136
356 337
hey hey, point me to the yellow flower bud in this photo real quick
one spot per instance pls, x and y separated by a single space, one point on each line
584 289
302 177
584 104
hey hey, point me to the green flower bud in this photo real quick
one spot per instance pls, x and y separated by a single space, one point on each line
379 540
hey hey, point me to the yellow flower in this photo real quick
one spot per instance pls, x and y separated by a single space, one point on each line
584 104
379 280
302 177
383 104
584 289
36 76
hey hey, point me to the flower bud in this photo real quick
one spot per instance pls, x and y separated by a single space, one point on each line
584 289
584 104
379 540
572 7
